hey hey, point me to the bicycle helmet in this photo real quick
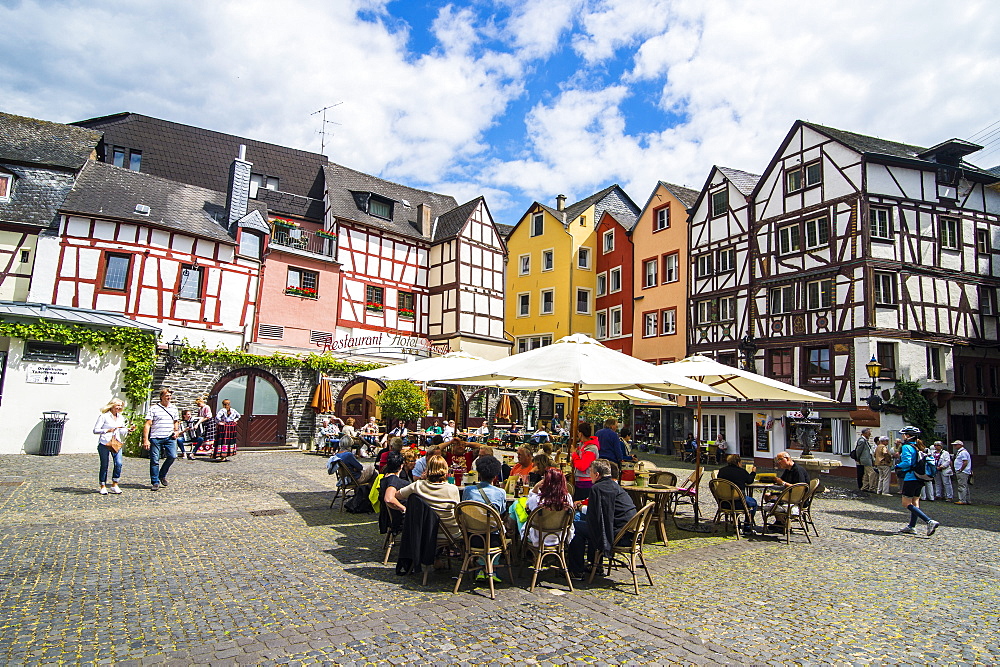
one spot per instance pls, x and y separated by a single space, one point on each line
909 430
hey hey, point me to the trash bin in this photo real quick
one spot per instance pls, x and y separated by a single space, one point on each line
52 433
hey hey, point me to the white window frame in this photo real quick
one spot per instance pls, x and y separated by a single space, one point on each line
726 308
615 276
819 294
548 257
951 239
786 235
590 300
650 324
668 269
552 302
661 218
524 265
524 304
583 258
705 311
884 288
601 324
729 263
668 322
525 343
704 264
9 180
648 279
537 225
602 283
608 241
784 297
813 227
615 321
881 223
934 362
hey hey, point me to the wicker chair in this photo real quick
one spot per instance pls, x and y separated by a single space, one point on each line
663 477
346 481
807 505
684 497
732 506
787 510
547 522
483 536
628 546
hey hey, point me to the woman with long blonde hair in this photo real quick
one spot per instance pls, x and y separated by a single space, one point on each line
111 425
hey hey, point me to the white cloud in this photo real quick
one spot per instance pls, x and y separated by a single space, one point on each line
535 27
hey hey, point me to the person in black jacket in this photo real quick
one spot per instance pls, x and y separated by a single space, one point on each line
738 475
609 508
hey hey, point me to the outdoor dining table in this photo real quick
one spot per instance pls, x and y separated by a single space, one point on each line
661 495
763 487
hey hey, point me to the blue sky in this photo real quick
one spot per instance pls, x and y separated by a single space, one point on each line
518 100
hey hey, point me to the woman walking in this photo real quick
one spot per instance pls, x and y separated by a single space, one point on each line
112 428
225 437
206 424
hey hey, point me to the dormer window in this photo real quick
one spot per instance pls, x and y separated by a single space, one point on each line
380 208
6 185
258 181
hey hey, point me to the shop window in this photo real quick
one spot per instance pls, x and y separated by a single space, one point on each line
35 350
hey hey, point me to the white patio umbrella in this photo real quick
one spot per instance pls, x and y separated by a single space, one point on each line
426 370
634 395
580 363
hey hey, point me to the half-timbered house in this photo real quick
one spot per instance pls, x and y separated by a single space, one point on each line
861 248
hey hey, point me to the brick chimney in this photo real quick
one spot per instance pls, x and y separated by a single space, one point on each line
238 194
560 202
424 220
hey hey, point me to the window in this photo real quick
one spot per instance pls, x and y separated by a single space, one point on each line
804 176
988 300
704 265
670 268
537 224
649 324
949 233
668 322
374 296
616 322
885 289
602 325
548 302
524 265
523 305
818 365
250 244
726 261
302 282
5 182
649 273
881 222
616 280
713 428
885 354
258 181
583 258
934 363
380 208
819 294
36 350
190 285
602 284
126 158
720 203
727 359
706 311
609 241
583 301
779 364
25 256
817 233
661 218
548 260
726 308
116 270
781 300
533 342
788 239
983 245
405 306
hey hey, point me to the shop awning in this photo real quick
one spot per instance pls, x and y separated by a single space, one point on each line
13 311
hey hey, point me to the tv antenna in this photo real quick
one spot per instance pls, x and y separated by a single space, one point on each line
322 130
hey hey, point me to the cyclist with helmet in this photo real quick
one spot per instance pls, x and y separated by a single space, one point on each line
912 485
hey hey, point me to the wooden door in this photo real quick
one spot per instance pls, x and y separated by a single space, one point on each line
260 398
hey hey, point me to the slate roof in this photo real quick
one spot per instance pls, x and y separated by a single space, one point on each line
13 311
202 158
503 230
106 191
40 142
744 181
451 223
343 182
685 196
36 195
625 220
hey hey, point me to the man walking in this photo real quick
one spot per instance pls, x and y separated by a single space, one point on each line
860 445
610 445
909 459
159 436
883 465
866 458
963 470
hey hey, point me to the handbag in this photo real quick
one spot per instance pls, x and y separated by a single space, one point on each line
114 444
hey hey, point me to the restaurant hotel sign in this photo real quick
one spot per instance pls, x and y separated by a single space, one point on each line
375 342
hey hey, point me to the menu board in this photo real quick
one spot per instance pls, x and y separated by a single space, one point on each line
762 442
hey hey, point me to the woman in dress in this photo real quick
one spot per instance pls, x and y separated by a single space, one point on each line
225 441
111 424
189 434
206 424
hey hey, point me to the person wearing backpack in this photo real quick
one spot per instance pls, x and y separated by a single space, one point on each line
911 466
863 444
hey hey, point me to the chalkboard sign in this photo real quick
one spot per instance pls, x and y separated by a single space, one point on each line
762 442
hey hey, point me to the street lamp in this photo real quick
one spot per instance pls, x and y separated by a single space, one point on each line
174 349
874 368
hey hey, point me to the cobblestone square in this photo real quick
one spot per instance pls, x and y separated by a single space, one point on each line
196 574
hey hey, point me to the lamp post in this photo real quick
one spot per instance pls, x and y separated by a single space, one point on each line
174 349
874 368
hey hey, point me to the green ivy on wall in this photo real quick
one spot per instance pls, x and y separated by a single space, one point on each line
327 363
915 408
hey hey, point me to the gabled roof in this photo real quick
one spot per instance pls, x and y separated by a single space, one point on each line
43 143
627 221
574 210
744 181
106 191
201 157
36 194
343 183
450 224
503 230
686 196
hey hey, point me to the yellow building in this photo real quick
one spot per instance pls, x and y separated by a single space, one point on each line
551 282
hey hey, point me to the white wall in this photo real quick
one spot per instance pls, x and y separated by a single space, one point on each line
92 383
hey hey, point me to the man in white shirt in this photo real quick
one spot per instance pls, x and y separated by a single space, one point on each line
963 470
159 436
449 431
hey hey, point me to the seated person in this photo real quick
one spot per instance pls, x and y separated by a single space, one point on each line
737 474
347 458
395 445
438 493
410 457
609 508
434 448
550 493
390 485
792 473
524 464
540 463
539 436
484 491
329 432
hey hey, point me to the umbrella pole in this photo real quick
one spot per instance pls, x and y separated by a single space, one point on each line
697 467
574 413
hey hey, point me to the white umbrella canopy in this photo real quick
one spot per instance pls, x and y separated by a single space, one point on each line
636 395
426 370
740 383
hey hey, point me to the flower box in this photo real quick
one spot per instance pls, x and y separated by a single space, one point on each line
307 292
407 313
322 233
284 224
374 306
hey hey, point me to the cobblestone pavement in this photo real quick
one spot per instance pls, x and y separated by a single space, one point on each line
188 575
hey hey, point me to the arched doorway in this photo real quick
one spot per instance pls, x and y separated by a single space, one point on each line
357 399
261 399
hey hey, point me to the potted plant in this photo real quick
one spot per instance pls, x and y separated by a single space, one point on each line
322 233
308 292
372 305
407 313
